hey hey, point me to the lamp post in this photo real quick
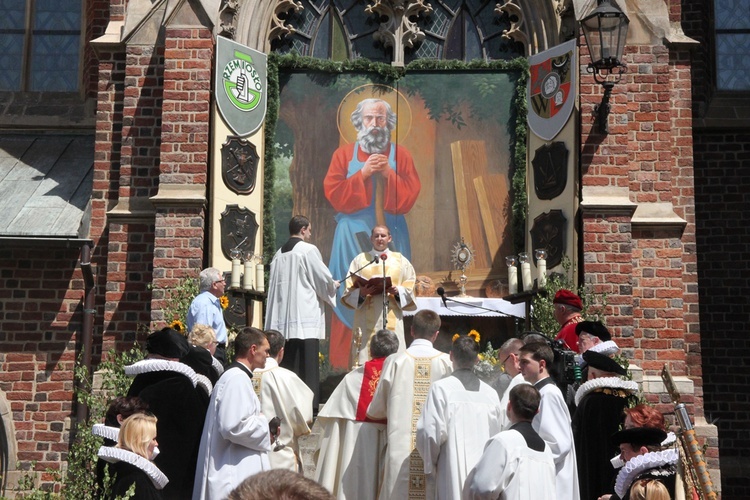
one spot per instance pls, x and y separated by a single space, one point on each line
606 29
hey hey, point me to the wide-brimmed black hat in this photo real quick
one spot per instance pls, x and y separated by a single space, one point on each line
640 436
603 362
595 328
167 343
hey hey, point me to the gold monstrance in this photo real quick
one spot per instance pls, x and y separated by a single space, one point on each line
462 257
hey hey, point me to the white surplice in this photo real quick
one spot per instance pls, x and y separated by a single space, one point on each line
299 286
453 428
350 453
505 422
283 394
368 315
510 470
399 397
554 426
235 441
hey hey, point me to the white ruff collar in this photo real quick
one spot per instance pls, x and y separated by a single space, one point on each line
112 455
217 365
641 463
105 431
605 382
204 383
617 461
608 347
161 365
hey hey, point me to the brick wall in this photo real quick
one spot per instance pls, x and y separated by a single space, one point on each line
722 165
41 297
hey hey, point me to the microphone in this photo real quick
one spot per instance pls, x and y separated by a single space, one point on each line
383 256
376 259
441 292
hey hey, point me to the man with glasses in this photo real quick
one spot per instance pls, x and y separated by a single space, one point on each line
206 309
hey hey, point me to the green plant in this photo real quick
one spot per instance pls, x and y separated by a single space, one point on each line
178 301
543 315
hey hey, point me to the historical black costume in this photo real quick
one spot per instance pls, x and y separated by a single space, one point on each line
599 412
127 469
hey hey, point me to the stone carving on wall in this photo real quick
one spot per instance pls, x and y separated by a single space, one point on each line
548 232
228 18
550 170
398 29
278 28
534 23
239 228
239 165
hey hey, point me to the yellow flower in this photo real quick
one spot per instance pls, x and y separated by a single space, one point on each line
481 357
475 335
455 337
177 326
321 357
224 301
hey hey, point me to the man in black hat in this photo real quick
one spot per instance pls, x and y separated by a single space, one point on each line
654 463
600 403
171 390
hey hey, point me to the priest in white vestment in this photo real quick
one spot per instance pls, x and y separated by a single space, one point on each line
283 394
508 354
236 437
299 286
553 420
516 464
351 448
461 413
399 397
367 301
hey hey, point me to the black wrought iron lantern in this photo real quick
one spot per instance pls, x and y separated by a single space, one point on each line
606 29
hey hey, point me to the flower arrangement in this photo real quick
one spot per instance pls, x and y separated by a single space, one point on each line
177 326
488 367
473 334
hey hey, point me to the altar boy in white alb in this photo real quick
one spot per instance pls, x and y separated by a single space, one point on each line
299 286
553 420
283 394
461 413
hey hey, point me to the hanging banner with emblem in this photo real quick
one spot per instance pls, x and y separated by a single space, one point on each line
241 86
551 92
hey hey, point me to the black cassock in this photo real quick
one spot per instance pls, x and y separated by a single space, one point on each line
598 416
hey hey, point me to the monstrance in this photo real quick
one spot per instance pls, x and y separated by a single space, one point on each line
462 257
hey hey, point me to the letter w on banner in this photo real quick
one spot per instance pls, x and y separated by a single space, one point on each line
552 88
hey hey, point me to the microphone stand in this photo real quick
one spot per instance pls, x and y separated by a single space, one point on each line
385 295
373 261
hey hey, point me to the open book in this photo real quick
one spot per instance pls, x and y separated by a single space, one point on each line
376 281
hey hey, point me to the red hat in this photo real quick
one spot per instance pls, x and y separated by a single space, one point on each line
568 298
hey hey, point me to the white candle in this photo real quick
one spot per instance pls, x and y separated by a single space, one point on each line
260 278
247 277
235 273
526 275
512 280
541 267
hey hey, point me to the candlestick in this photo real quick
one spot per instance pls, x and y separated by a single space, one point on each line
523 258
510 261
260 278
541 266
235 280
247 277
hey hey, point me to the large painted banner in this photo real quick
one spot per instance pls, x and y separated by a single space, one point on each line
430 156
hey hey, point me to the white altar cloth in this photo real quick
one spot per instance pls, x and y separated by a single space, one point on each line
452 308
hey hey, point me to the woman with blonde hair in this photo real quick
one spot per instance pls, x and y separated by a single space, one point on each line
130 461
649 489
204 336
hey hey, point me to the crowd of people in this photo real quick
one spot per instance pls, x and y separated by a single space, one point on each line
408 421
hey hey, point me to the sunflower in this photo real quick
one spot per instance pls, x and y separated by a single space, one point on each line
177 326
224 301
455 337
475 335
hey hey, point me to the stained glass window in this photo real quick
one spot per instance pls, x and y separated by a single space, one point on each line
732 26
342 29
40 45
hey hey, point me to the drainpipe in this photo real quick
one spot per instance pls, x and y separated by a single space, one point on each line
87 327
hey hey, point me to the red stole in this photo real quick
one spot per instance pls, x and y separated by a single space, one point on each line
373 369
